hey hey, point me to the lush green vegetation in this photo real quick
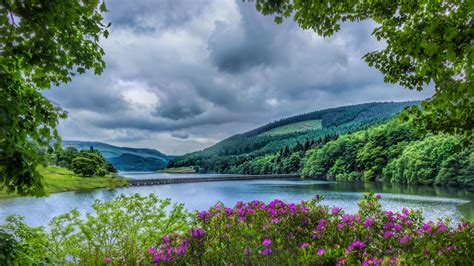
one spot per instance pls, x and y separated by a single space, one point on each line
242 148
43 44
59 179
295 127
85 162
138 231
125 158
394 152
426 42
178 170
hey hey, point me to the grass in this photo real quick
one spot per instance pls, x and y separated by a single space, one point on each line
58 179
295 127
178 170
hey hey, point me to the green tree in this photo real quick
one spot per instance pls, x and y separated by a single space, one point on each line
64 157
89 163
426 42
43 43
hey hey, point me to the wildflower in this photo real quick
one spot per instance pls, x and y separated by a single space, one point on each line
397 227
276 220
335 210
441 227
266 242
108 259
403 240
426 227
152 250
388 225
405 211
345 218
321 251
378 197
340 226
387 234
303 245
356 244
368 222
247 251
266 251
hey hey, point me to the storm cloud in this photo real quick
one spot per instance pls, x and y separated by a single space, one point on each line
182 75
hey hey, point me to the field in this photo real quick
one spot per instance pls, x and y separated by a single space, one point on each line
295 127
58 179
178 170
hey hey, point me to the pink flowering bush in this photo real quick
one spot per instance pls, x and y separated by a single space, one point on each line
138 230
309 233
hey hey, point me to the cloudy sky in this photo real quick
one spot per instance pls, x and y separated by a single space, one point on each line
184 74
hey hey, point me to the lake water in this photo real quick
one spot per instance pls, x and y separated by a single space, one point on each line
434 201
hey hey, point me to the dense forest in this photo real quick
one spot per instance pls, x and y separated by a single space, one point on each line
360 142
242 148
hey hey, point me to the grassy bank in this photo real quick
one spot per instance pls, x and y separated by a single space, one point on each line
58 179
178 170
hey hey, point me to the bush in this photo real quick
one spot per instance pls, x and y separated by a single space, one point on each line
308 233
122 228
137 231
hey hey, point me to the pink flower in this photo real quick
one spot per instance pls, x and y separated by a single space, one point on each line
266 251
340 226
321 251
397 227
335 210
426 227
368 222
378 197
266 242
152 250
107 259
387 234
403 240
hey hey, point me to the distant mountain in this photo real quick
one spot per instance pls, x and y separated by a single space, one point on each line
125 158
288 132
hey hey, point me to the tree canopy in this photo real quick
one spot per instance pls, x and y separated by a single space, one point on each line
42 43
426 42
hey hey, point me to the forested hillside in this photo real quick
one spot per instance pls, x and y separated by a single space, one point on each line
235 153
393 152
125 158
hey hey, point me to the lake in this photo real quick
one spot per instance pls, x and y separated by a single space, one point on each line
434 201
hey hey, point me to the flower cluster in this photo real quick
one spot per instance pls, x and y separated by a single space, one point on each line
310 233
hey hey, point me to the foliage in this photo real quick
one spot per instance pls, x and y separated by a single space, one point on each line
43 43
89 163
64 157
439 160
308 233
229 155
426 41
122 228
138 231
393 152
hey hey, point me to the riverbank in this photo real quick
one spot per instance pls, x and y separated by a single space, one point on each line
58 179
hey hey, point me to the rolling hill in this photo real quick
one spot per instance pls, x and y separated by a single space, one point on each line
125 158
318 126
